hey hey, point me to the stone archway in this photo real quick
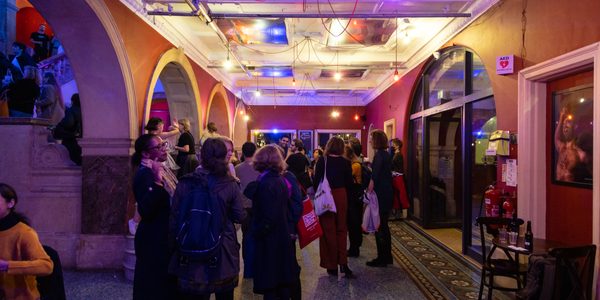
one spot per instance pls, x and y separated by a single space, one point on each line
181 88
218 109
240 126
90 211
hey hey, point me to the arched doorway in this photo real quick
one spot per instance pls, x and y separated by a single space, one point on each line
174 90
218 110
452 116
240 126
93 228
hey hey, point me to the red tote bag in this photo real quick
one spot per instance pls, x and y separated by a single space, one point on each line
308 227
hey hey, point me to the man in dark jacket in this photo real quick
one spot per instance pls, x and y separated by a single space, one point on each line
69 129
20 59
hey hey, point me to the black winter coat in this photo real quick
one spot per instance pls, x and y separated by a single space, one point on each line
382 177
151 247
274 260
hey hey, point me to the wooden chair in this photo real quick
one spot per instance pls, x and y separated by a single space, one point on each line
574 273
493 267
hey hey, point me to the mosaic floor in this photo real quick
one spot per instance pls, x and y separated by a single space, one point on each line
421 270
438 274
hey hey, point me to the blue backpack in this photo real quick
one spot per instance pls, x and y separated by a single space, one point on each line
201 222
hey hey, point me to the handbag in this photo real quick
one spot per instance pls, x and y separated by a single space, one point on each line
309 228
371 219
323 197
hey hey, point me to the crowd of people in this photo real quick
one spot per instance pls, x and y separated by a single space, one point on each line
186 241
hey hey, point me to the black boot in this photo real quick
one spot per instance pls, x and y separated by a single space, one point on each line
378 263
347 272
353 252
332 272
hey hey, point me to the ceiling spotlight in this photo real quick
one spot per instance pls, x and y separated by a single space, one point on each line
257 93
227 64
246 118
335 114
396 75
356 117
337 76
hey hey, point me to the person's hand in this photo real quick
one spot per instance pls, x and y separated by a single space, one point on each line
3 266
371 186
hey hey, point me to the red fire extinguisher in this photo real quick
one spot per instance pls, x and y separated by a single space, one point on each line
492 202
508 206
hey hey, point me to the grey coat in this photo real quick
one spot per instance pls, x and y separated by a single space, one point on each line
197 277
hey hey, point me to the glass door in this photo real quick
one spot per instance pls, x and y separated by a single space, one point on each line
443 207
481 169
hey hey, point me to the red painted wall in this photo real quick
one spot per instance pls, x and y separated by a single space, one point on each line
28 21
571 207
553 27
306 117
144 48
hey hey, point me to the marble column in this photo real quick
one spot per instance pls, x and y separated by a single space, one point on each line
8 24
106 192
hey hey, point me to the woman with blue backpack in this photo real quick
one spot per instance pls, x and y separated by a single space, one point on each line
206 252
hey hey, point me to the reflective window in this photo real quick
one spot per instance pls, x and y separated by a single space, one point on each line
446 78
481 80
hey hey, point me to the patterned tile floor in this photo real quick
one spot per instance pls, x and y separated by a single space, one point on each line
421 270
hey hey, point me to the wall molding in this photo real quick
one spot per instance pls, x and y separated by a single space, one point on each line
532 136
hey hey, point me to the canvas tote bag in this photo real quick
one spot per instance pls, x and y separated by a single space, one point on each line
323 197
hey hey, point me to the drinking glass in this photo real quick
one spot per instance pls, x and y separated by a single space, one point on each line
502 235
512 238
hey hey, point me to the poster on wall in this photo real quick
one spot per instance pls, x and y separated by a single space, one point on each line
572 147
306 136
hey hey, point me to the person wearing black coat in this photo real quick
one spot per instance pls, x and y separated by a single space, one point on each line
381 183
151 279
276 270
69 129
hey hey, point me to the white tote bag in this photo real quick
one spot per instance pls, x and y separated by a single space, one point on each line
323 197
371 220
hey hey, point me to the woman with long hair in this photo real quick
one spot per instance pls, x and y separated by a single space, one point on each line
381 183
197 279
151 279
50 104
186 158
332 245
22 257
277 273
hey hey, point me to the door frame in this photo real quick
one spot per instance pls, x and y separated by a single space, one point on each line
532 141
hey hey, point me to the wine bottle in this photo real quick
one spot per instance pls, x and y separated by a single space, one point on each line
529 238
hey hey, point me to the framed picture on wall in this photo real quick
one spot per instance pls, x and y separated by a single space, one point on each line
572 139
306 136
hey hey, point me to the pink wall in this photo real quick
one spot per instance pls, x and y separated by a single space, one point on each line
144 48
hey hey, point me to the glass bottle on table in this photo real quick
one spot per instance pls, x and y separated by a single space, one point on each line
529 238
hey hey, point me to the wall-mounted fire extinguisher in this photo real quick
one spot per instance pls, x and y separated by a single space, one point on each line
492 201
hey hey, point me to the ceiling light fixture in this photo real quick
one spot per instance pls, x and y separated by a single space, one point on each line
396 75
227 64
335 114
246 118
337 76
257 92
